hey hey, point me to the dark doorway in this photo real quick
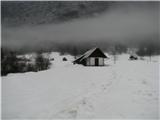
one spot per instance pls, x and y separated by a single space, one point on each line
96 61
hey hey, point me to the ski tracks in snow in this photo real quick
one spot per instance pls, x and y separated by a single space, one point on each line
83 105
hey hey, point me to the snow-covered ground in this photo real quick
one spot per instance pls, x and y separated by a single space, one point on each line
127 89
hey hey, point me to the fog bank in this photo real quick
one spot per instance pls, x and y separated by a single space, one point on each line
127 24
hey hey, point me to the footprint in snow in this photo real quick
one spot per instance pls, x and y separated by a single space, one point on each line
144 82
68 113
83 107
86 104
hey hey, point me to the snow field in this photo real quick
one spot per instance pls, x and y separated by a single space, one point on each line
127 89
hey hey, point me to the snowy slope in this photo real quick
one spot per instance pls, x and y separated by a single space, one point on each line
127 89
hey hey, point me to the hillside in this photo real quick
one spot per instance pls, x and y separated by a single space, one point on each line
125 90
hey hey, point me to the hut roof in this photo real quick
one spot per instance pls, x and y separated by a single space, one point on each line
95 52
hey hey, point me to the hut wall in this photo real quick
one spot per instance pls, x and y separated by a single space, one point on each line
101 61
92 61
88 61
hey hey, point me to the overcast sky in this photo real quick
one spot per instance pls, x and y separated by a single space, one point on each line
121 23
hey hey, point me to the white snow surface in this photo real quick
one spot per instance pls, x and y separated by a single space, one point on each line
127 89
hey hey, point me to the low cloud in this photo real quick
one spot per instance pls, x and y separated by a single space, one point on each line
123 23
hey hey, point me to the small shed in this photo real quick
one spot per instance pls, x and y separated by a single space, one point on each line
93 57
133 57
64 59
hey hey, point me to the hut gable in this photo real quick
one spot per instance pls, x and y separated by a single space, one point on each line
97 53
93 57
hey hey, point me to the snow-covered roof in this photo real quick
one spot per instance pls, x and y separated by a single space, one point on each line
134 55
88 53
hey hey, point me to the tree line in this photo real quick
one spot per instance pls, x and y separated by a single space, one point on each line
10 63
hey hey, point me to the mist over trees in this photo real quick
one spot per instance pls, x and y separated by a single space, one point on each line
145 48
75 27
10 63
148 49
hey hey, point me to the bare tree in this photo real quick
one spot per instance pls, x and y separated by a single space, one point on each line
114 53
75 52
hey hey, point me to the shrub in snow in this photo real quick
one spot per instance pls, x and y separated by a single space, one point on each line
31 67
41 63
133 57
9 64
64 59
52 59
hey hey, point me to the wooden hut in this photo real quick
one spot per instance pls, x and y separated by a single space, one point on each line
93 57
